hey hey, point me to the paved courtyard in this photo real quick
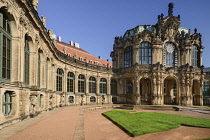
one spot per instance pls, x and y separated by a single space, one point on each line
73 123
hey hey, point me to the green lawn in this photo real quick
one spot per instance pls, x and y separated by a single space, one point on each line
148 122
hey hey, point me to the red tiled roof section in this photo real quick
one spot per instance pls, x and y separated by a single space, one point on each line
80 54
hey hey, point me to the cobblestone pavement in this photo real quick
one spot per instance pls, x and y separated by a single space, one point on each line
73 123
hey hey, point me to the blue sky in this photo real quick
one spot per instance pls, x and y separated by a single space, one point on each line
94 23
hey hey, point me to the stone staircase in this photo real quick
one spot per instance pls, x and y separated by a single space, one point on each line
126 107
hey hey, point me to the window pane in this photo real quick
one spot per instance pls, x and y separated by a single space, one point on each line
128 57
145 53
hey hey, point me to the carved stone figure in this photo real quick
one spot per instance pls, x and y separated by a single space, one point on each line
43 19
33 101
35 3
170 9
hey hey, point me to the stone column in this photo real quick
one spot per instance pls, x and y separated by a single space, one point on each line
201 91
33 69
160 87
53 75
87 96
108 90
76 82
154 54
155 98
87 84
49 82
42 75
98 90
135 55
138 97
16 60
201 61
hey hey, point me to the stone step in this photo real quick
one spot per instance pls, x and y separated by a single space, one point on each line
146 107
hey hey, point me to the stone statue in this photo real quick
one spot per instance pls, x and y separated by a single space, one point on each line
170 9
158 17
161 16
195 31
64 50
32 104
43 19
35 3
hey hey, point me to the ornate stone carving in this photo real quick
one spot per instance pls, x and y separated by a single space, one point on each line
158 66
33 101
43 19
35 4
37 40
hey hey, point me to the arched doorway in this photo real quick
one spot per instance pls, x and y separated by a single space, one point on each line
170 91
145 91
196 92
129 92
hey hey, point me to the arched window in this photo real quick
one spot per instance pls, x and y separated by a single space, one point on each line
128 57
195 56
206 89
81 84
92 99
129 88
71 99
70 82
103 85
26 61
113 87
5 46
92 85
7 103
145 53
59 80
170 54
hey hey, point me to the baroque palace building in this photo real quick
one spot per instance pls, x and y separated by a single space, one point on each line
151 64
159 64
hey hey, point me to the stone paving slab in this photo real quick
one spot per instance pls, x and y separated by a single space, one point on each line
88 123
98 127
18 127
195 109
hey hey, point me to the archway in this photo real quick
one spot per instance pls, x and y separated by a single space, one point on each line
170 91
145 91
196 92
129 92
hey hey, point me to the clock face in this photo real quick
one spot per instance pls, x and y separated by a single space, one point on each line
169 48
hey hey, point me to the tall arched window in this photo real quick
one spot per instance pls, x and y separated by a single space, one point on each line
170 54
206 89
92 85
5 46
81 84
103 85
129 88
145 53
128 57
59 80
70 82
195 55
26 61
113 86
